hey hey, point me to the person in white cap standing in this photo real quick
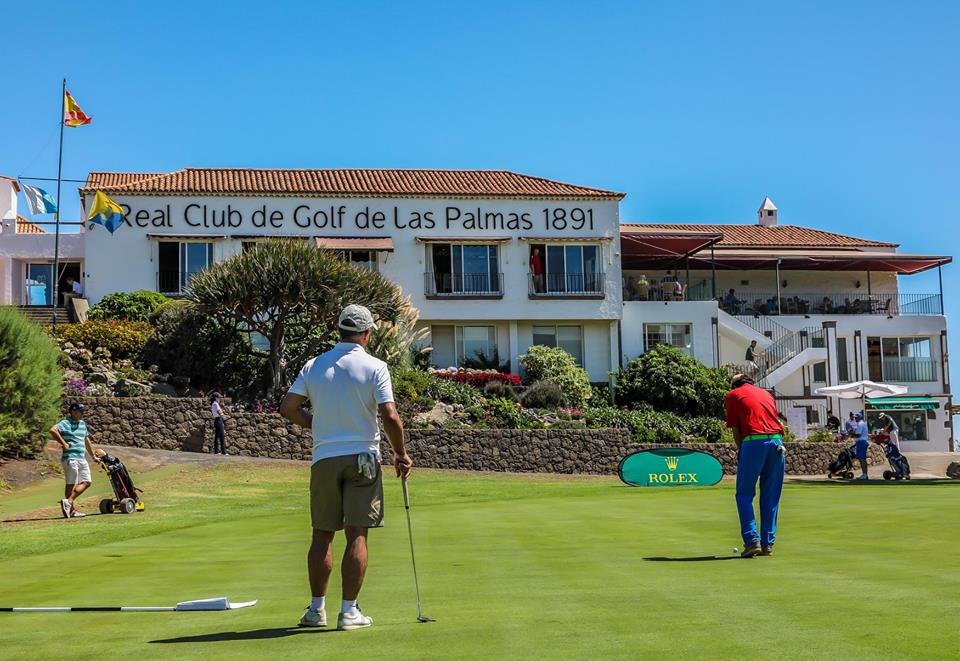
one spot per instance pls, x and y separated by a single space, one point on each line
347 389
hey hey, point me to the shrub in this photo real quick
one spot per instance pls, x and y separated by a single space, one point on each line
478 379
556 365
507 414
189 343
500 390
670 380
132 306
649 426
711 430
411 391
123 339
543 395
452 392
821 436
30 384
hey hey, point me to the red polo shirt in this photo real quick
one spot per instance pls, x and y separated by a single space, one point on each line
753 411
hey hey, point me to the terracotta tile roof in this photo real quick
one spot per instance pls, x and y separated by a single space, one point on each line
111 180
24 226
341 183
758 236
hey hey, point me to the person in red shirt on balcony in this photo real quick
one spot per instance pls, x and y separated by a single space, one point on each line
752 415
536 268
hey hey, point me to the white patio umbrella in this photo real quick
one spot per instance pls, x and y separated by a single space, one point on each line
861 390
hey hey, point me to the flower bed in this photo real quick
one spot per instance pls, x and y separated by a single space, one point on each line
476 378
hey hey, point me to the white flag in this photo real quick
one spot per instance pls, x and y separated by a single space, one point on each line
39 201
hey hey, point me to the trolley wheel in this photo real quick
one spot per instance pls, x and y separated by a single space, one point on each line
106 506
848 475
887 475
127 505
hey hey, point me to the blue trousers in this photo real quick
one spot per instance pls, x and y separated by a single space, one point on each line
759 459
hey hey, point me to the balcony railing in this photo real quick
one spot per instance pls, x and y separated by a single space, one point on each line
909 370
174 283
463 285
766 303
559 285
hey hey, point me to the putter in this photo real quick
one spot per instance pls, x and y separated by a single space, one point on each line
421 618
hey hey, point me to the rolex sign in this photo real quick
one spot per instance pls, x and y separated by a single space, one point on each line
670 467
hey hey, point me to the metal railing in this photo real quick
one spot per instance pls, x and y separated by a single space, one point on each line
765 325
463 284
766 303
173 282
909 370
566 284
780 351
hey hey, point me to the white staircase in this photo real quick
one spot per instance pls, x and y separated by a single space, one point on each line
782 351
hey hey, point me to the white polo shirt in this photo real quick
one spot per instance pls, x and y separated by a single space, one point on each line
344 387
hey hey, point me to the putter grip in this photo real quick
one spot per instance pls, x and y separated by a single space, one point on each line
406 495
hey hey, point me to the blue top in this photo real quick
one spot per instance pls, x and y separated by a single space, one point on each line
863 434
75 434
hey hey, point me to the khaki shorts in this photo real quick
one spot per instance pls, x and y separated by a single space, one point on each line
76 471
340 496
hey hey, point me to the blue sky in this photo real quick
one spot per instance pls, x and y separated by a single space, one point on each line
844 113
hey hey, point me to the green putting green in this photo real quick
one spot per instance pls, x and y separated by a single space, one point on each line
510 567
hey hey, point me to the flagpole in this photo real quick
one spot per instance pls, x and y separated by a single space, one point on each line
56 216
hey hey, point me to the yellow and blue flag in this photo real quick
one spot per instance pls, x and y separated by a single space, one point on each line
106 212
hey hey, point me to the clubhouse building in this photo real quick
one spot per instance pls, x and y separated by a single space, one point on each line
497 262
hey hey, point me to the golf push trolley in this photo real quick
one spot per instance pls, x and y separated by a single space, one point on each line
126 496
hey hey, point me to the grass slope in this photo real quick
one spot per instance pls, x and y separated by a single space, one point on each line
511 567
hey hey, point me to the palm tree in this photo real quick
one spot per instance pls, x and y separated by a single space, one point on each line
289 285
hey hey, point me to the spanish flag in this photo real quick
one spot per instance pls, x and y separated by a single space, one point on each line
105 212
72 113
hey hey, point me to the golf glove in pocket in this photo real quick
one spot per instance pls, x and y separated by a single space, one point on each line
367 465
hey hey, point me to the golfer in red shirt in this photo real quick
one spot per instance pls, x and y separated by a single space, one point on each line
752 414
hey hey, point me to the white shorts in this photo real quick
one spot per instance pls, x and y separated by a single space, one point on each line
76 471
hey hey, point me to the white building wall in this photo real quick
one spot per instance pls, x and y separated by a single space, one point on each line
128 260
698 313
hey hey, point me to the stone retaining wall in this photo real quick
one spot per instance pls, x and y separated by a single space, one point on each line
184 424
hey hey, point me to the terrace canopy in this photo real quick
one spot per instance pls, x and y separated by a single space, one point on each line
833 260
652 249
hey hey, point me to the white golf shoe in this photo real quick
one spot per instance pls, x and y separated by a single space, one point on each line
312 618
346 621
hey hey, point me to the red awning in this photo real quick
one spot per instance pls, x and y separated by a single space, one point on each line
375 243
827 260
649 249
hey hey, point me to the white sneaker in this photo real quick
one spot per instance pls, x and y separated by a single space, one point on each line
65 507
346 621
312 618
76 514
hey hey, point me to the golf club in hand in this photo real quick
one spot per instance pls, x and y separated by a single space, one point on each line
416 583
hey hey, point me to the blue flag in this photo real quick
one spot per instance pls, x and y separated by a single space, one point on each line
39 201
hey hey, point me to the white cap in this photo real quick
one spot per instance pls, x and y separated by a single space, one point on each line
356 319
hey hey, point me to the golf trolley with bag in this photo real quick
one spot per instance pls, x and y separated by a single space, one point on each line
126 496
842 466
899 466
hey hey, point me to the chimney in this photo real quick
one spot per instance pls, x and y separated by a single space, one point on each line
767 213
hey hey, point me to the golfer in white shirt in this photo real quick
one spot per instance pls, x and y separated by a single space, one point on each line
347 388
